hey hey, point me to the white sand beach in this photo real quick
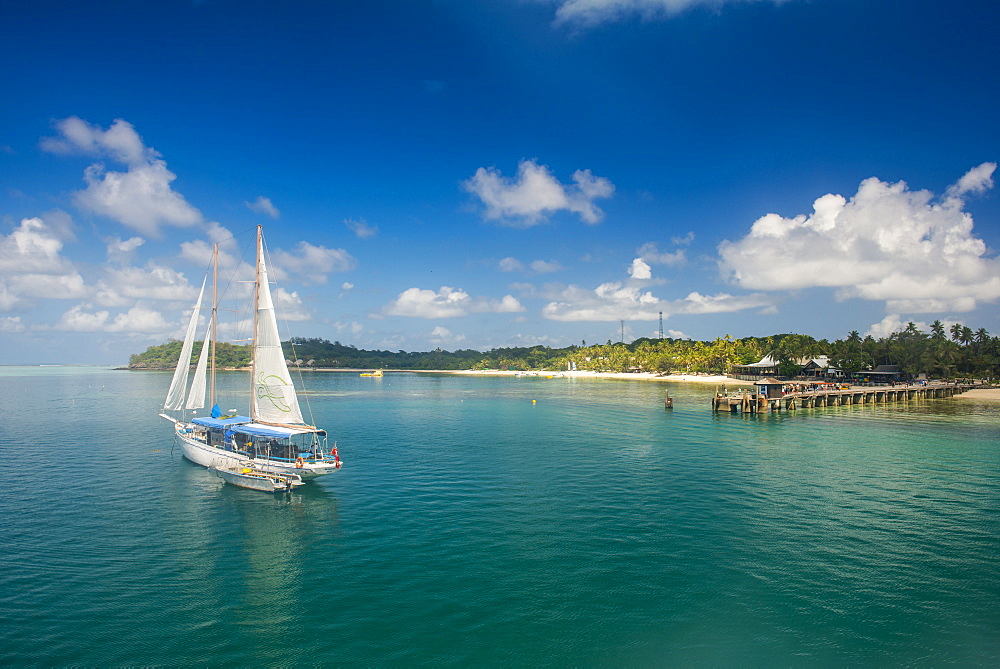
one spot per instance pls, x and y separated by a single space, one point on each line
991 394
632 376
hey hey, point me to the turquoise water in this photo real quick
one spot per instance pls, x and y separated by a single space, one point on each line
470 526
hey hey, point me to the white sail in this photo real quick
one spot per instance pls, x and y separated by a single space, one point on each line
196 397
175 396
273 398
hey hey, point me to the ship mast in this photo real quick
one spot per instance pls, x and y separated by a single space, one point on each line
215 311
256 309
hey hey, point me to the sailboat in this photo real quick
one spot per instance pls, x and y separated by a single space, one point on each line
274 438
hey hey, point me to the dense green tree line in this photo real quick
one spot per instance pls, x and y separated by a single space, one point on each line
959 351
164 356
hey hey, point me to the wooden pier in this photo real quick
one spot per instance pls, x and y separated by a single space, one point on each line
752 402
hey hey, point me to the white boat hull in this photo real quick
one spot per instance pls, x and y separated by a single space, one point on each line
254 479
202 454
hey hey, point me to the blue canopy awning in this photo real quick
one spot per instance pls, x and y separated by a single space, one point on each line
220 423
245 425
274 432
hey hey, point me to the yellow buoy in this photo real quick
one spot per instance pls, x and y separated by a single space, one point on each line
534 401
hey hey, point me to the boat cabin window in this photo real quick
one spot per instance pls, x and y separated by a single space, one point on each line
281 448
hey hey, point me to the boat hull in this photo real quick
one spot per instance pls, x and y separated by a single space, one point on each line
257 481
202 454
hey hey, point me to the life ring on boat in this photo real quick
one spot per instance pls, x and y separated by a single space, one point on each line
299 462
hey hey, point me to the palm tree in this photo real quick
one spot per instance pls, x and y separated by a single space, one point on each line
967 336
869 346
982 336
945 358
937 330
907 347
956 331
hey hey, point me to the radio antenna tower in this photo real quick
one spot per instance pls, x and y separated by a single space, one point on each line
623 331
661 325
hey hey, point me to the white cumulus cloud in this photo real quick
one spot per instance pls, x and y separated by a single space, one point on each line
11 324
353 327
120 141
78 320
31 247
650 253
588 13
447 302
8 300
640 270
141 197
263 205
545 266
137 320
200 251
535 193
312 263
289 306
443 336
125 285
511 264
423 303
916 253
120 251
507 304
32 265
892 323
360 228
614 300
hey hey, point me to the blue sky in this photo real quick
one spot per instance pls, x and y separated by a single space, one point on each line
472 174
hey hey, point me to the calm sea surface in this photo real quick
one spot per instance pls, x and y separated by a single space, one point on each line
470 526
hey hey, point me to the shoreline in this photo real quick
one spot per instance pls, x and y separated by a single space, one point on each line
979 394
631 376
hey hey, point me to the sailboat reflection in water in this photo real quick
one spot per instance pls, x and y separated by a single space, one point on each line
274 438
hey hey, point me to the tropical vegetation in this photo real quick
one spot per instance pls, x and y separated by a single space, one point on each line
164 356
943 352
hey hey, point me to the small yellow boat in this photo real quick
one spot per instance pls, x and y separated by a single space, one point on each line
377 372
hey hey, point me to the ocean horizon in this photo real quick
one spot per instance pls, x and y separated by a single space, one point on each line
496 520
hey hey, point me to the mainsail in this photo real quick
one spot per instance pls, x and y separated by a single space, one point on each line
175 396
196 398
273 397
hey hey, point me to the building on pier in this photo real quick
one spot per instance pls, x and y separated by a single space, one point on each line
770 388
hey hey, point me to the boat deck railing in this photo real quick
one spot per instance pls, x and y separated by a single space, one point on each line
308 456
